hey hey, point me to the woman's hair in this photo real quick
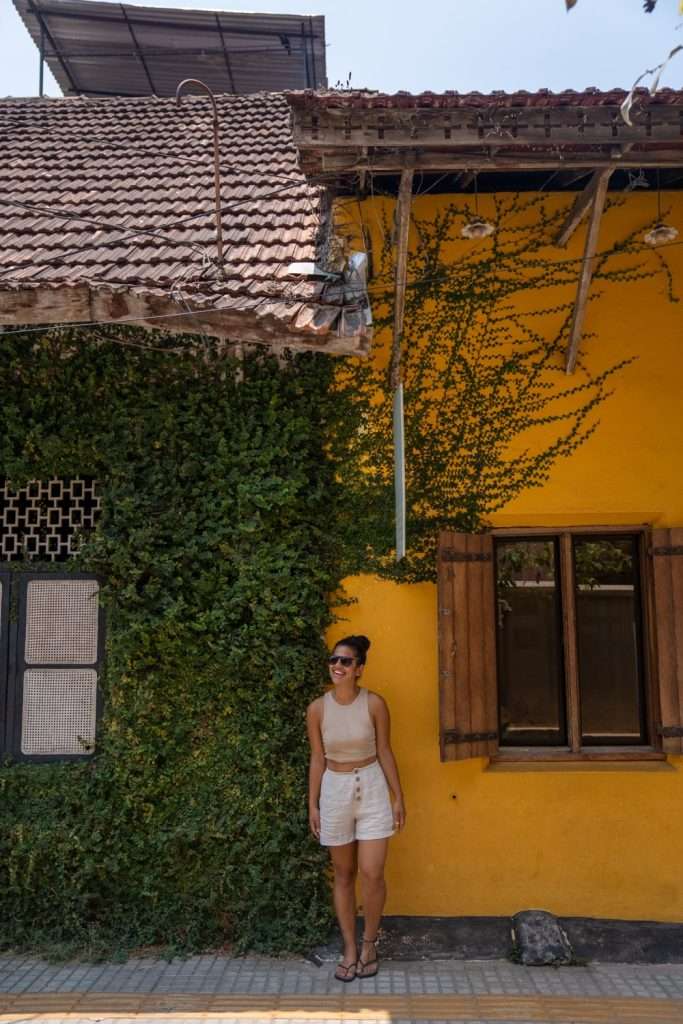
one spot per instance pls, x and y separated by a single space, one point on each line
360 644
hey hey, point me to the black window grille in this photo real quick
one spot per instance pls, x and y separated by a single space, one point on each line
45 520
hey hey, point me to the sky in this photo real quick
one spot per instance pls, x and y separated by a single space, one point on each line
442 44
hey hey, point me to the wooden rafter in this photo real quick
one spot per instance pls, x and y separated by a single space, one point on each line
581 206
379 162
590 249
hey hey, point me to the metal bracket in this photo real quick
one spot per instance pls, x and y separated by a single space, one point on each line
675 549
670 730
453 736
461 556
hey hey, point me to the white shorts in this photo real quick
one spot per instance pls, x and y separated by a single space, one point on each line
355 805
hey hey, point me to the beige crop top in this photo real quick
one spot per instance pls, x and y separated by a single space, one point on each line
348 731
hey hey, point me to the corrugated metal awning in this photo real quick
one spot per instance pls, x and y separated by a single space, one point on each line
114 49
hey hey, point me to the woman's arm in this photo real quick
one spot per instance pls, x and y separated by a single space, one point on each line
316 766
385 755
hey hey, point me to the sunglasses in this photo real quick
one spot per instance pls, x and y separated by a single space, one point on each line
343 659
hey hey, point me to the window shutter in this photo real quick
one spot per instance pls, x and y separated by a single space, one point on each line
58 661
4 657
468 701
667 561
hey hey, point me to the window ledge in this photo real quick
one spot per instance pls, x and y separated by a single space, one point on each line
566 761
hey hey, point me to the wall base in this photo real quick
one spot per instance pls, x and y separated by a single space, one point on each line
488 938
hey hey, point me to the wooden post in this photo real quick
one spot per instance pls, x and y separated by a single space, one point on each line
581 206
405 194
589 251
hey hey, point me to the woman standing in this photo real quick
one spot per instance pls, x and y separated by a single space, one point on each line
350 807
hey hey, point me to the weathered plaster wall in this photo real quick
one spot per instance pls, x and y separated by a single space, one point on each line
603 842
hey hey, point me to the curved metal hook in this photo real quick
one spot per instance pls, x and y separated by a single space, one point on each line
216 159
202 85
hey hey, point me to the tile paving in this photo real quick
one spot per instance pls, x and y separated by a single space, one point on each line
252 990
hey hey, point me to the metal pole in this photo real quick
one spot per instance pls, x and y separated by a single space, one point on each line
399 473
42 60
405 194
216 160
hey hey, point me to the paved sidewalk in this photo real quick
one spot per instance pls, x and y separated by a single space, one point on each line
259 989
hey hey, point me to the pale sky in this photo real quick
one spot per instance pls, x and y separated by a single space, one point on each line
442 44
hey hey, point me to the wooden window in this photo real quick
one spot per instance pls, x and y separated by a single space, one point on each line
561 644
51 646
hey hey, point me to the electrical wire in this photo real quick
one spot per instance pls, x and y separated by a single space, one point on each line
105 225
294 180
109 323
437 278
387 291
149 232
153 233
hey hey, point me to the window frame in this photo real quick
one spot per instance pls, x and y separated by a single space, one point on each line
5 661
12 662
573 751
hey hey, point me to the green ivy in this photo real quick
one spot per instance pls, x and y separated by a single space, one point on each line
217 554
235 497
489 408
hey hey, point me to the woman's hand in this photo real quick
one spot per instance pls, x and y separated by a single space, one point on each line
399 813
314 821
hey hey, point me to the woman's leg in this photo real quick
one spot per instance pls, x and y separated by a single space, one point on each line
372 854
344 864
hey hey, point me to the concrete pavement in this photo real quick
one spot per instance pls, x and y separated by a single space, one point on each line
251 990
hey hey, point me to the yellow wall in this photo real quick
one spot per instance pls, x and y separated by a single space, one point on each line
607 842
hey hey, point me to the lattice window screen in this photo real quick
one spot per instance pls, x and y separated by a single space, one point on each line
59 711
61 622
41 521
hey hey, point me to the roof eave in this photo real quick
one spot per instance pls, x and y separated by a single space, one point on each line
81 304
338 133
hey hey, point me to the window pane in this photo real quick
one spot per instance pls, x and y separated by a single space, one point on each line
609 635
529 644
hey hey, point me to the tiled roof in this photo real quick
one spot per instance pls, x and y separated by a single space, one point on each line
117 195
363 99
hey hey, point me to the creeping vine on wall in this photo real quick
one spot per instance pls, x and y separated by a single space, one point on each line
217 554
230 512
489 409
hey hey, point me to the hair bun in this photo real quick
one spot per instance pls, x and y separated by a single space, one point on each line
359 644
363 642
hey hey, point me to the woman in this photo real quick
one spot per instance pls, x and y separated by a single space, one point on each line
350 807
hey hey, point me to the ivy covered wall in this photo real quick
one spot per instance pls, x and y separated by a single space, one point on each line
217 558
232 510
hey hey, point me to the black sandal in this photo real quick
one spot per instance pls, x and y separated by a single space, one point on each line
346 978
361 971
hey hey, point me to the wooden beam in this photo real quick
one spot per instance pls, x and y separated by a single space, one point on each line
589 252
405 194
82 304
352 161
581 206
408 128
